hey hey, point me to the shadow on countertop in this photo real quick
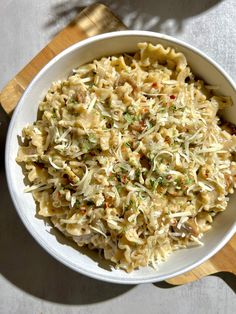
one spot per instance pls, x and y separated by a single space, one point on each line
26 265
22 261
164 17
227 277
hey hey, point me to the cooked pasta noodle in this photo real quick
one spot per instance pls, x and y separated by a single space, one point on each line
128 156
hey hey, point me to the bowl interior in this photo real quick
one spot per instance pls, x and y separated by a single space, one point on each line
81 260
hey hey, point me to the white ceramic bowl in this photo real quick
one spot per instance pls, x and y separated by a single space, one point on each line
84 261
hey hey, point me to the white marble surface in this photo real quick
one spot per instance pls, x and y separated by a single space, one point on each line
33 282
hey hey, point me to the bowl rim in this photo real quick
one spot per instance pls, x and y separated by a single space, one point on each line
34 232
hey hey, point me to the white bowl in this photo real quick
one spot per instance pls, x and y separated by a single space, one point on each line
86 262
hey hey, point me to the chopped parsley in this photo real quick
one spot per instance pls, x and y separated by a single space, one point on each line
92 138
86 146
129 118
77 203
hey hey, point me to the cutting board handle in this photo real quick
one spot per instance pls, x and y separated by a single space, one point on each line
223 261
97 19
93 20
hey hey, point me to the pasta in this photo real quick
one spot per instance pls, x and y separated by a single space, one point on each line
128 156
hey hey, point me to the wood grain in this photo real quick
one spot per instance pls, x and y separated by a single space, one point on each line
94 20
223 261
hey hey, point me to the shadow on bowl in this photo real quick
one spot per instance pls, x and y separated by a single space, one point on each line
48 274
27 266
39 274
92 254
95 255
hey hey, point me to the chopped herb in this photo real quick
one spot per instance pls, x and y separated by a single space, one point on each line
92 138
123 169
129 118
151 156
77 203
54 115
131 203
149 124
139 117
72 101
163 110
177 181
189 181
153 183
68 186
137 172
128 144
85 147
161 181
119 187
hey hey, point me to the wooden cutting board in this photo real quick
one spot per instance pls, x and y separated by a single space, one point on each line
97 19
